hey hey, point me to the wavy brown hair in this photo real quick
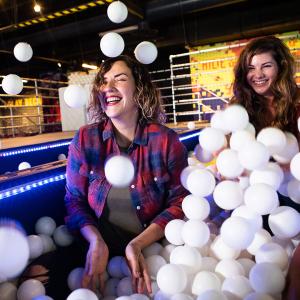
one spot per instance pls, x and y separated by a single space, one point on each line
146 96
284 89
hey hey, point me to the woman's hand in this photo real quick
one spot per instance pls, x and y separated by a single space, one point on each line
95 265
138 267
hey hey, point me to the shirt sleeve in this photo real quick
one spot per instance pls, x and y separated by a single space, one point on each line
79 213
176 162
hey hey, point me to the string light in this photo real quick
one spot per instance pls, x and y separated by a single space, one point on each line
186 137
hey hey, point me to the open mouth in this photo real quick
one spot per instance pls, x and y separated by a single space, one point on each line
112 100
260 82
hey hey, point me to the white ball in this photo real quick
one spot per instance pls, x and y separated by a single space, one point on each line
237 233
62 236
75 96
138 297
191 125
14 251
48 243
195 233
211 139
173 231
258 296
267 278
217 121
35 246
229 268
114 267
12 84
45 225
228 194
124 287
250 128
261 237
251 216
171 279
61 156
8 291
273 138
112 44
153 249
75 278
255 155
166 252
204 281
181 296
293 190
24 165
238 286
208 263
200 182
154 263
195 208
284 222
212 295
185 173
80 294
119 171
145 52
295 166
30 289
23 52
235 117
247 264
239 139
117 12
110 288
203 155
220 250
261 198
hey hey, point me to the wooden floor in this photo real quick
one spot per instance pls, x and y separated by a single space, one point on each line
56 136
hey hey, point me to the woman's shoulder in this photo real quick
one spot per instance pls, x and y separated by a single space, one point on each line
161 128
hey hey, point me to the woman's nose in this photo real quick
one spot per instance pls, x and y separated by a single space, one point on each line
109 85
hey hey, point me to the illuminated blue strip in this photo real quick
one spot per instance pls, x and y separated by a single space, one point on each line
186 137
32 149
30 185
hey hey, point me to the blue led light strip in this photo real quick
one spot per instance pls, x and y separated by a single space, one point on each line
32 149
30 185
186 137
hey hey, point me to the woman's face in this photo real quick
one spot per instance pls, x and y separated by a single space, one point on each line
262 72
117 92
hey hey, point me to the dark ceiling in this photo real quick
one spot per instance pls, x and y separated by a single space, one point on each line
173 25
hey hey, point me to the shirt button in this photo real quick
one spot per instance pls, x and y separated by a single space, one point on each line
132 186
155 178
138 207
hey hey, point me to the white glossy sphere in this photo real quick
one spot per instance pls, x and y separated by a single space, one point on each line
153 249
286 244
200 182
244 182
229 268
75 278
12 84
24 165
212 295
8 291
204 281
119 171
271 174
154 263
173 232
145 52
138 297
284 222
211 139
261 198
237 233
228 164
258 296
208 263
203 155
62 236
295 166
187 257
124 287
191 125
228 194
239 286
14 252
117 12
48 243
185 173
30 289
110 288
61 156
23 52
81 294
251 216
272 253
166 252
195 208
171 279
112 44
289 151
247 264
293 190
45 225
267 278
254 156
217 121
220 250
114 267
273 138
159 295
195 233
235 117
181 296
250 128
261 237
35 246
239 139
75 96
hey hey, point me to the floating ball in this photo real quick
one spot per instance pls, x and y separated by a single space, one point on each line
8 291
217 121
173 232
145 52
238 286
153 249
195 233
247 264
75 278
212 139
124 287
181 296
261 237
61 156
75 96
81 294
112 44
204 281
24 165
212 295
253 218
62 236
191 125
203 155
239 139
229 268
48 243
23 52
35 246
185 173
30 289
114 267
220 250
154 263
12 84
110 288
45 225
293 190
195 208
295 166
117 12
235 117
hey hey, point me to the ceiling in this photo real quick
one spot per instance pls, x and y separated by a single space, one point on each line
68 31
